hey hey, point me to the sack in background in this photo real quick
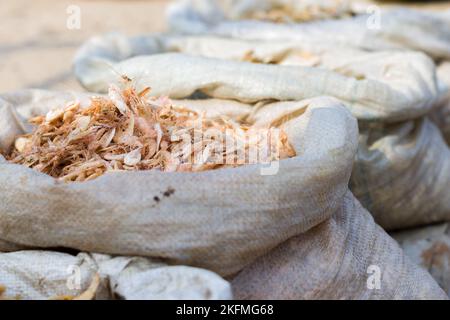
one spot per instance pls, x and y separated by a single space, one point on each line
386 86
429 247
377 30
441 116
287 11
54 275
402 173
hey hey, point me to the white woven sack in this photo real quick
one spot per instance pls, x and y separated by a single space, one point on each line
379 29
302 10
219 220
52 275
328 171
401 152
346 257
391 96
441 116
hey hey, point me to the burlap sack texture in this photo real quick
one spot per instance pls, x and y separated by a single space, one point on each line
220 220
401 152
429 247
322 173
54 275
346 257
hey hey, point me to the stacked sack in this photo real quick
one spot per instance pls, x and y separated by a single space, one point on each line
441 116
401 152
29 272
429 247
228 220
373 28
368 25
38 274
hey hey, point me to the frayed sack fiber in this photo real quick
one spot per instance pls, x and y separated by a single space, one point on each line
41 275
401 152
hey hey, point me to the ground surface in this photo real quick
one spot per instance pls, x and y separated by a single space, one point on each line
36 47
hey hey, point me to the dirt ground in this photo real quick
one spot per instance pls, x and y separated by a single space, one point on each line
36 47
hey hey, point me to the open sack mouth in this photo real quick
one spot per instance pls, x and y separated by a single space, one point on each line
276 11
375 86
126 131
291 12
142 212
